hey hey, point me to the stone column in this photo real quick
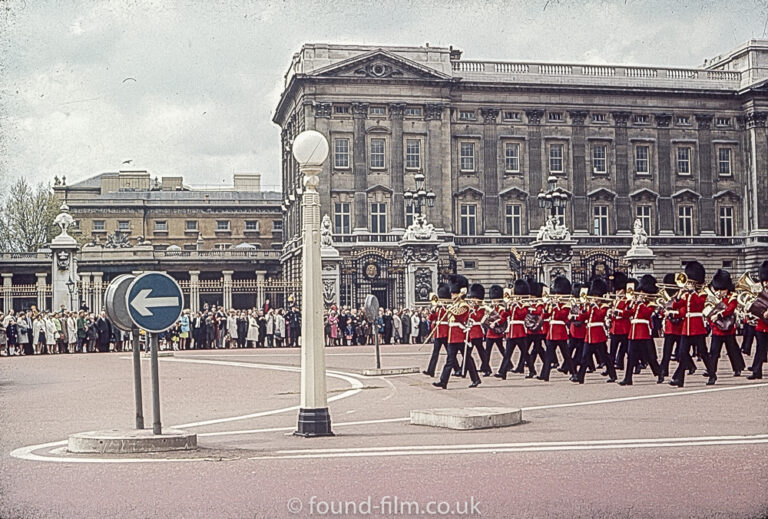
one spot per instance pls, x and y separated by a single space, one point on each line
535 174
441 215
7 292
98 297
623 206
580 204
665 207
227 292
491 214
85 282
41 286
360 164
706 203
194 291
757 180
421 258
331 276
396 112
260 282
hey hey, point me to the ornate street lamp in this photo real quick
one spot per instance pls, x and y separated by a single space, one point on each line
419 198
310 149
71 288
554 197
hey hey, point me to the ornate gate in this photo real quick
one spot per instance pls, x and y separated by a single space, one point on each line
595 263
373 271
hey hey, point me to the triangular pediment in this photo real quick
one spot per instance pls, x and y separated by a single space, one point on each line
727 193
686 193
601 192
644 193
513 192
469 192
379 64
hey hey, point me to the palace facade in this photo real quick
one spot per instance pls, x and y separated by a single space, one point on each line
683 150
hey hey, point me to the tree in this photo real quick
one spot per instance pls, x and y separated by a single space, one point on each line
26 217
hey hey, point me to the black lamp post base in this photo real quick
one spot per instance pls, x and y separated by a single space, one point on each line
314 422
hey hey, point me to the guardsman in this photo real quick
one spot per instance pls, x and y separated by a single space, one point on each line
596 340
516 333
536 326
619 331
458 318
557 336
439 322
496 326
673 325
691 306
577 331
723 324
476 336
761 332
641 345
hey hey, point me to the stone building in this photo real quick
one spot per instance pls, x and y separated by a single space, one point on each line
684 150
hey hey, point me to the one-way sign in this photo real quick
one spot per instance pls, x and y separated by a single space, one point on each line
154 301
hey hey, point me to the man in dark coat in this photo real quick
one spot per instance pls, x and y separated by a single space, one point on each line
104 329
406 318
293 323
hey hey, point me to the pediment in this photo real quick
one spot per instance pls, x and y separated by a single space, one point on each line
602 192
686 193
379 188
644 193
727 193
513 192
379 64
469 192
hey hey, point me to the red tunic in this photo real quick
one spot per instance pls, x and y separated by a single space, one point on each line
730 307
538 310
438 319
515 317
475 318
457 331
671 328
620 320
762 326
558 323
579 331
596 324
490 334
690 307
640 324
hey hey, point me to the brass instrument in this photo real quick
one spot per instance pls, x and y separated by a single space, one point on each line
629 292
747 290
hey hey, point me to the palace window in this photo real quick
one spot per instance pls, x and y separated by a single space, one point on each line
341 218
556 158
600 213
726 220
642 164
410 214
341 109
277 225
467 156
723 121
222 225
724 161
685 220
560 214
412 153
377 153
513 219
467 115
341 153
377 110
161 226
190 225
378 217
98 225
683 120
512 157
251 225
124 226
684 160
413 111
468 220
599 158
643 213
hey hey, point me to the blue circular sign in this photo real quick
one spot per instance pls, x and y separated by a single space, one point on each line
154 301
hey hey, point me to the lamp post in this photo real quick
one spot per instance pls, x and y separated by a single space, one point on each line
419 197
554 197
310 149
71 289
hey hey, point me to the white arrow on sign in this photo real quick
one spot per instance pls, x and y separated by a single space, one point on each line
142 302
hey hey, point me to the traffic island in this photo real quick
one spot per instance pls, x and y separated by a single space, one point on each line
468 418
162 353
131 441
380 372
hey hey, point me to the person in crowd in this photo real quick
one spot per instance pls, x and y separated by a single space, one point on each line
184 330
50 334
92 332
279 328
4 320
241 322
26 339
231 337
270 327
388 328
38 332
71 332
253 329
415 327
210 330
405 319
293 324
11 331
262 323
104 330
198 330
397 328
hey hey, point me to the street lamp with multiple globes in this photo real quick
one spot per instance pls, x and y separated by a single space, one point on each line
554 198
310 149
417 198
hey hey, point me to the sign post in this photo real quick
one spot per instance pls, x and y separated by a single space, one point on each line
372 313
154 302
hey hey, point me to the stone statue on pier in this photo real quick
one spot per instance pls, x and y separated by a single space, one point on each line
420 230
64 220
326 233
639 236
553 230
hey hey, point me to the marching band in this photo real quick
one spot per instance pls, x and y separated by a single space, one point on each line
593 328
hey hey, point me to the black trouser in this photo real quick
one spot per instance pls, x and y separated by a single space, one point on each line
485 361
641 350
731 349
601 350
671 344
576 346
535 347
476 344
748 339
760 354
436 345
618 350
685 361
551 356
452 363
506 363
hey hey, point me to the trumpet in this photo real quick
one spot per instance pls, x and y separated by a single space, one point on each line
681 280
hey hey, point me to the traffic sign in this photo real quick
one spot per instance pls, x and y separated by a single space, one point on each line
371 307
154 301
115 304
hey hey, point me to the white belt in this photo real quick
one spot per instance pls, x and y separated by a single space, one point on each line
456 325
640 321
695 314
593 325
557 322
675 312
517 322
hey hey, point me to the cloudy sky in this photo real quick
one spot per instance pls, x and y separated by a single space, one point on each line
189 87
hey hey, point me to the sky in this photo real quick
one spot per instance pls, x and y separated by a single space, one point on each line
189 87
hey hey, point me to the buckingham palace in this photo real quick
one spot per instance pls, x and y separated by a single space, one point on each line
684 151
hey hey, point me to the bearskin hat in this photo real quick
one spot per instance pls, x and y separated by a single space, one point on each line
669 279
443 291
619 281
598 288
764 271
576 289
496 292
722 280
561 286
476 291
695 271
521 287
534 287
457 282
647 285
